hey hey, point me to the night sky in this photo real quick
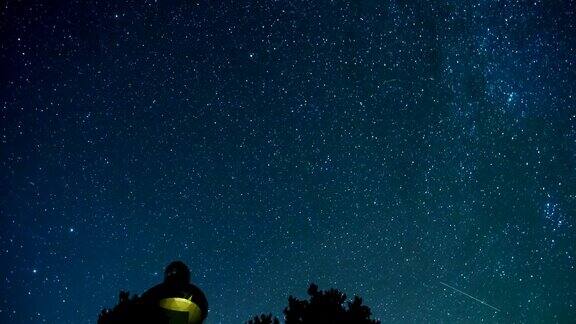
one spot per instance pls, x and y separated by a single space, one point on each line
385 148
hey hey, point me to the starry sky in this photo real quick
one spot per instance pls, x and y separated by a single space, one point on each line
385 148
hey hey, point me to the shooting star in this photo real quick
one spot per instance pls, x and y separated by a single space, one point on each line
470 296
389 81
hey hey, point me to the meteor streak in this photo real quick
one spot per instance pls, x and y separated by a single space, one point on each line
470 296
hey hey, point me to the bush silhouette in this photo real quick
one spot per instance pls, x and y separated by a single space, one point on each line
329 307
264 319
132 310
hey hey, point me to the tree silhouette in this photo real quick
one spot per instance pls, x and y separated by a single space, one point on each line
328 307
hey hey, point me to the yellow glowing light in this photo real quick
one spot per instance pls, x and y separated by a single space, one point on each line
180 306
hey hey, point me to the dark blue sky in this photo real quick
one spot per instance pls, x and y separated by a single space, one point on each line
380 147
